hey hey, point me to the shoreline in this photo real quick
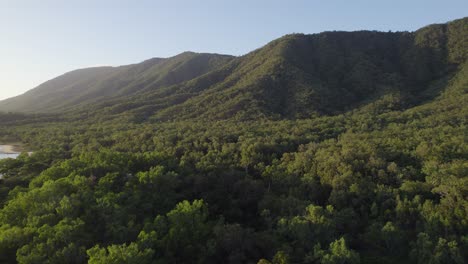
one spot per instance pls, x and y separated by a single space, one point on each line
10 149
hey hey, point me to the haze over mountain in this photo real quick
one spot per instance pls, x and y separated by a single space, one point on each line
94 84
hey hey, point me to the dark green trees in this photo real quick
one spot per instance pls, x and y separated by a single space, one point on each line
332 148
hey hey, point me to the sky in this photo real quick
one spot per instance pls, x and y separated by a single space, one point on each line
42 39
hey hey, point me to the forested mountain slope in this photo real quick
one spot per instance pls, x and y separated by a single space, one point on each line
296 76
339 147
299 76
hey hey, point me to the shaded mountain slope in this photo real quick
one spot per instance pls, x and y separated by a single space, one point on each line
328 73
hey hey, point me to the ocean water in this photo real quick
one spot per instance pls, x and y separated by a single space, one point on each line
4 156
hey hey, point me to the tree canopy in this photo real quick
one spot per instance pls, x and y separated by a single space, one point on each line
351 149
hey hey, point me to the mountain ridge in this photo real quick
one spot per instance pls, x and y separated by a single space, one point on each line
295 76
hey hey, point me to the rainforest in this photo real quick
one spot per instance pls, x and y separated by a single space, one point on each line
336 147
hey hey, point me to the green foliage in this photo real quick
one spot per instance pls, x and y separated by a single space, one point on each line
55 244
330 148
440 251
119 254
184 233
338 253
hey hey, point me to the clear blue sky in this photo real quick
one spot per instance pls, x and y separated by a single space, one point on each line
40 39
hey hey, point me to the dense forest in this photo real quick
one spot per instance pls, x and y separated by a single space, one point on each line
338 147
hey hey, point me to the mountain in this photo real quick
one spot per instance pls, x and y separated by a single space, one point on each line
92 85
296 76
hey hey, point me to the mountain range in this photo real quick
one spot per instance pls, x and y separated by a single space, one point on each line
296 76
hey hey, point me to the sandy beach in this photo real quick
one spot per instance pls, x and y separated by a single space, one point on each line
10 149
